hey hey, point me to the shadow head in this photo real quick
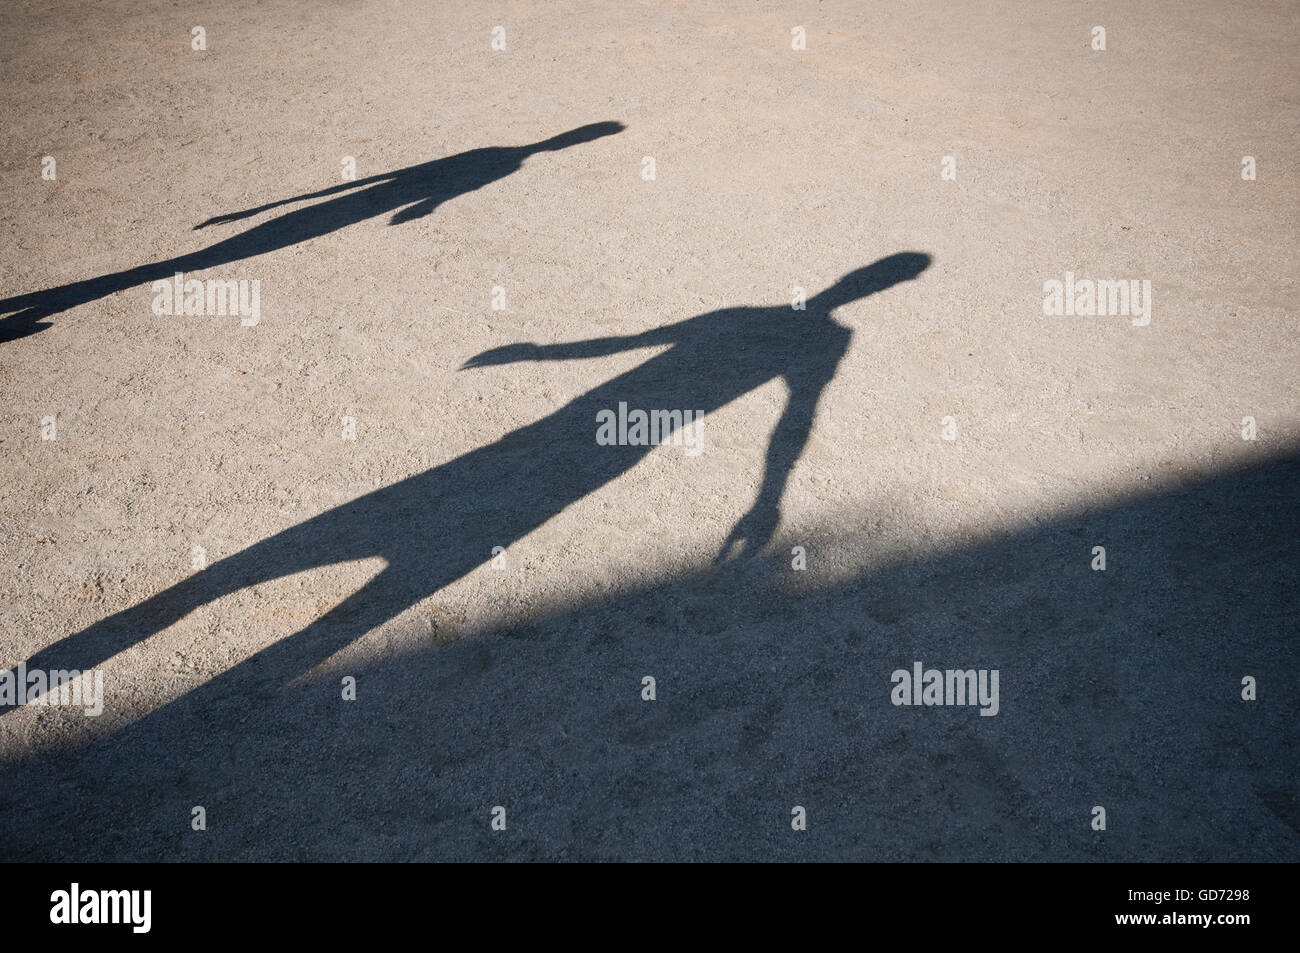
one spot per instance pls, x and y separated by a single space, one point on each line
574 137
877 276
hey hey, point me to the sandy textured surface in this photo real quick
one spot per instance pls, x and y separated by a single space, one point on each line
521 686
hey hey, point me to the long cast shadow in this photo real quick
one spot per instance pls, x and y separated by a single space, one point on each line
410 193
435 527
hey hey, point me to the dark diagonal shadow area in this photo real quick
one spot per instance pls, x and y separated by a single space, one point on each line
409 194
1119 688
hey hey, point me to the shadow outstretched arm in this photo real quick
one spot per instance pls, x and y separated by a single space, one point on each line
332 190
572 350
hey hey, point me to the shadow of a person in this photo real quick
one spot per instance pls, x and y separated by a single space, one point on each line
434 527
411 193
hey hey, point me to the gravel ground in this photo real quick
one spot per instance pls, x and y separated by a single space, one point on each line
232 515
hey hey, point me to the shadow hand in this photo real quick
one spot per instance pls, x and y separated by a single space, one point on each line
751 533
221 219
506 354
